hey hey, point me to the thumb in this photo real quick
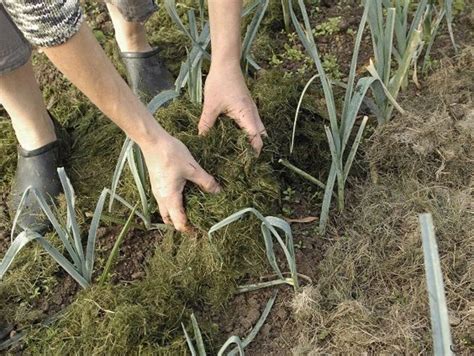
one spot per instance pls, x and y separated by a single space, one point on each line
207 120
204 180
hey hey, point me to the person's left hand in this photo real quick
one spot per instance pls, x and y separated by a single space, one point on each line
225 92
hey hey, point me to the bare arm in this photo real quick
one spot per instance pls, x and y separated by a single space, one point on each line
224 18
225 90
85 64
169 162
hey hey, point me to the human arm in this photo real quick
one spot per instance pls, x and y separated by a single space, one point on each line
57 27
225 90
169 162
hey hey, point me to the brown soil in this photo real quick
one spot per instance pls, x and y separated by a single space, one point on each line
137 247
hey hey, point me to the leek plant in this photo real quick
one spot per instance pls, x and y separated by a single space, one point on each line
132 155
269 227
80 263
442 342
394 37
115 250
200 42
341 124
240 344
448 9
252 29
191 70
432 24
285 5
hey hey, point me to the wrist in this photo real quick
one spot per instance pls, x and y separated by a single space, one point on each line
149 135
225 63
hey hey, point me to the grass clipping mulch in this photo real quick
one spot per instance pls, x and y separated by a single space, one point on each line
371 294
187 273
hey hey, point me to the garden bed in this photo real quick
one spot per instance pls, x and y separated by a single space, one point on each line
363 288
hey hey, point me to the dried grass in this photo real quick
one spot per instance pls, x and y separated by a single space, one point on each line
372 287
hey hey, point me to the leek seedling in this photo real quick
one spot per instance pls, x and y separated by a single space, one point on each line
340 130
430 29
442 341
269 227
252 29
132 155
81 265
191 70
195 72
285 5
393 37
201 42
405 50
448 9
116 248
432 24
240 345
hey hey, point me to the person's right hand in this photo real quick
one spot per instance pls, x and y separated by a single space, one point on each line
170 165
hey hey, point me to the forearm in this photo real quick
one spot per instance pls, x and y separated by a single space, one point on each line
84 63
224 16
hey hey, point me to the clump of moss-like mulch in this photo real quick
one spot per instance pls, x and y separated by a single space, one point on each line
186 271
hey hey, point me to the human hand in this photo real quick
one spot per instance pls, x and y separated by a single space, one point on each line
170 165
225 92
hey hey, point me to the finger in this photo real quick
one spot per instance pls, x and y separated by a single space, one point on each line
165 215
257 143
255 116
177 214
249 121
204 180
261 127
207 120
253 132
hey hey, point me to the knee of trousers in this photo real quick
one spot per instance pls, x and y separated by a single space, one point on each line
135 10
15 50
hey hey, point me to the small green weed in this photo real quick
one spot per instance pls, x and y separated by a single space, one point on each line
331 66
328 28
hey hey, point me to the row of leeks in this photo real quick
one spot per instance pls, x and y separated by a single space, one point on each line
396 47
